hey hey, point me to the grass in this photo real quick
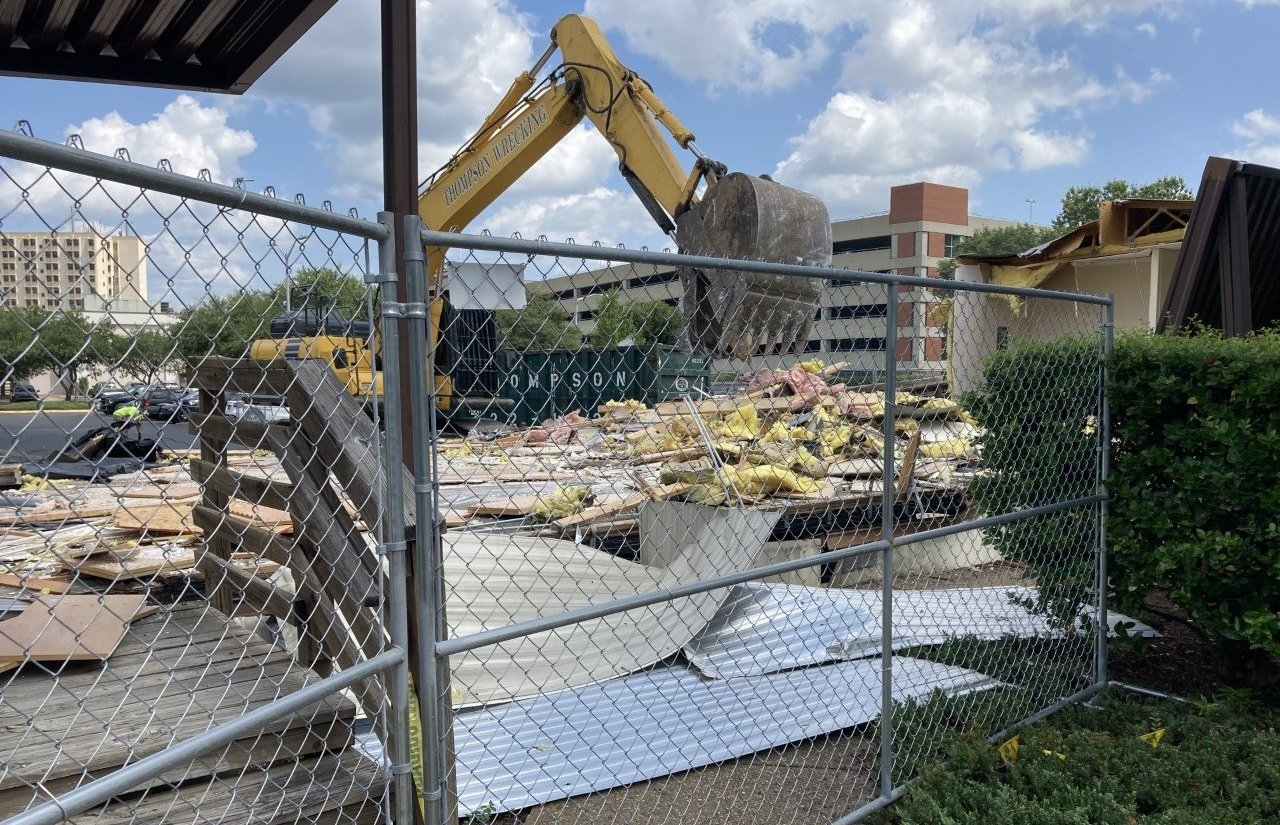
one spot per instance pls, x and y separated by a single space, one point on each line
1217 761
49 405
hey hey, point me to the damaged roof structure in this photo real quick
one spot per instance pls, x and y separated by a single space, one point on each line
1225 275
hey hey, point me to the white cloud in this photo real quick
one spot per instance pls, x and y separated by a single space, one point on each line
191 136
1259 134
1248 4
936 93
1149 29
333 74
748 44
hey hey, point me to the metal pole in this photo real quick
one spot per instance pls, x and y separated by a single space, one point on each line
886 536
432 684
1104 506
393 519
522 246
81 162
187 751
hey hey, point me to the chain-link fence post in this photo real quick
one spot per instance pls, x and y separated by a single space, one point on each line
886 556
1104 468
433 680
393 519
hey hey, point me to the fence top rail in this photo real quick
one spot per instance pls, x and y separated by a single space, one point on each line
80 161
524 246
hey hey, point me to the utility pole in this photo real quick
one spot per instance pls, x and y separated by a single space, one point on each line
1031 208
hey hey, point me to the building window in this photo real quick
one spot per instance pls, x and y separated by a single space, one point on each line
562 295
813 346
595 289
817 314
858 311
77 303
653 280
949 245
586 315
855 344
860 245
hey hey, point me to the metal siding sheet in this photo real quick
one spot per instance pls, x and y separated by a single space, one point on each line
493 580
768 627
666 721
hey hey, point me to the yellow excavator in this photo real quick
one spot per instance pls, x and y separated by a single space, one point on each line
708 210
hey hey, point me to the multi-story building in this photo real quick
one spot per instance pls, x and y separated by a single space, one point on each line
921 228
60 270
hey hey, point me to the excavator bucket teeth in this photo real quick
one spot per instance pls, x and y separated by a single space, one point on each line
734 313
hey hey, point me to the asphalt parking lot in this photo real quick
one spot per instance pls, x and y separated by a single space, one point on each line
31 436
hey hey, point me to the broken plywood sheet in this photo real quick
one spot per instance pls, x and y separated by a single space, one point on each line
69 628
666 721
260 515
35 584
157 519
494 580
143 561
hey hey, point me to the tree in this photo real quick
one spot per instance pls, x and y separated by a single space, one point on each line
997 240
21 353
615 322
324 290
543 325
145 354
1080 203
640 322
657 323
224 325
74 343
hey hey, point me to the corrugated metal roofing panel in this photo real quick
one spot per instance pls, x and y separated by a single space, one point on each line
665 721
214 45
763 628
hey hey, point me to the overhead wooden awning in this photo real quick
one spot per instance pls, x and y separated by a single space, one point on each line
208 45
1226 275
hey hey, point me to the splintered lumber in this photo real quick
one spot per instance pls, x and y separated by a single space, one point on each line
503 508
631 502
56 516
140 562
69 628
262 516
682 454
903 484
157 519
35 583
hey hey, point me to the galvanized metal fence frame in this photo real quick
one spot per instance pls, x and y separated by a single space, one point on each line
431 603
429 667
393 663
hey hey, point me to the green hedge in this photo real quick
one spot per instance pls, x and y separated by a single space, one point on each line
1040 447
1195 481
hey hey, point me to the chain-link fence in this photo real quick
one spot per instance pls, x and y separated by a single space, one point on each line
686 548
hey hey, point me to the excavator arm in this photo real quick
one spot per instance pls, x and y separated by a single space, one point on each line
708 210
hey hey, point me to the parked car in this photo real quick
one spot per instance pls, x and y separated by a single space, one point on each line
109 399
22 391
164 404
262 409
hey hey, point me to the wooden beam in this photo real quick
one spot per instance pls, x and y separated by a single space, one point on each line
1237 303
255 489
250 594
221 375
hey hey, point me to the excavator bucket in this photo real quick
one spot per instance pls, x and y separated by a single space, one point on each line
729 312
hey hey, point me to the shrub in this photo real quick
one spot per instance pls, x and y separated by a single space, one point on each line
1195 475
1038 406
1196 481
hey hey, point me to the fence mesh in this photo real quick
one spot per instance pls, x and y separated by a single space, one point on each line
187 535
206 538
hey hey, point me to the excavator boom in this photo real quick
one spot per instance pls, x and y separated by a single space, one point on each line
726 311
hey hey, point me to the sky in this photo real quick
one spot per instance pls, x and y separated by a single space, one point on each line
1015 99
